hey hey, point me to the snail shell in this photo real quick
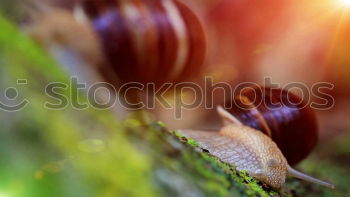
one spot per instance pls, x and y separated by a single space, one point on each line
281 115
250 150
146 41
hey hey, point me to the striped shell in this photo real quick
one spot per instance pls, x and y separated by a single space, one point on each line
282 116
148 40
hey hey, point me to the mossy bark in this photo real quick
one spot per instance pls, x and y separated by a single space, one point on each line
88 152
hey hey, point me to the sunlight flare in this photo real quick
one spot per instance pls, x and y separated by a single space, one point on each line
345 2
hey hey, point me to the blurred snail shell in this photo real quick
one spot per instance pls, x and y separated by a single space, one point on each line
248 149
282 116
146 41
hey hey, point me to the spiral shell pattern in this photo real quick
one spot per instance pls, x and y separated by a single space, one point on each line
147 41
281 115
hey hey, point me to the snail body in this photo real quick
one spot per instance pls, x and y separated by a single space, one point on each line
248 149
281 115
147 41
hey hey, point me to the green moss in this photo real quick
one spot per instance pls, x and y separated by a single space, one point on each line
188 141
113 170
223 177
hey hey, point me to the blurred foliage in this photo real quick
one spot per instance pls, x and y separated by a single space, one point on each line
330 160
11 8
60 153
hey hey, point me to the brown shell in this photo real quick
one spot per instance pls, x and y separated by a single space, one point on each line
280 114
146 41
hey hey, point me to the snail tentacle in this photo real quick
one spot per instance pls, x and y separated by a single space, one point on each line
227 117
305 177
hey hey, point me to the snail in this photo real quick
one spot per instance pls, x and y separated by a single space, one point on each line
145 41
261 138
248 149
284 117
